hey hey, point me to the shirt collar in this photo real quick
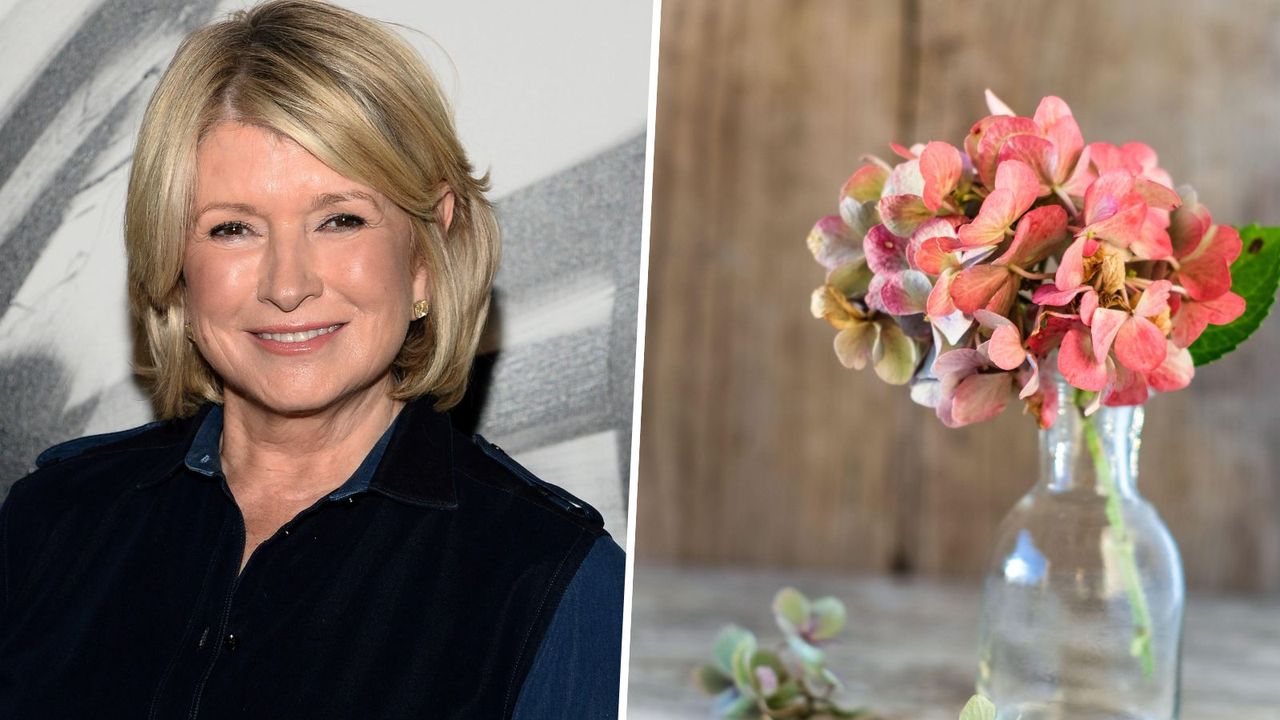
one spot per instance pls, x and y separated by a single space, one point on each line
411 462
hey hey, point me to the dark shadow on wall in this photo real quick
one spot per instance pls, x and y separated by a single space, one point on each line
34 391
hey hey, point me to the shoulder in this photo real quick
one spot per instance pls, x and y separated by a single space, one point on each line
86 467
485 470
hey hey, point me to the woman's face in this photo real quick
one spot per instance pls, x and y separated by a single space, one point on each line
299 282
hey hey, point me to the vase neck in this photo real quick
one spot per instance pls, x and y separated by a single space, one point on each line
1066 459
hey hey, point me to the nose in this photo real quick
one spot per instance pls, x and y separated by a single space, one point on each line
288 274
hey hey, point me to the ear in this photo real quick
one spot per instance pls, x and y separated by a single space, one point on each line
444 208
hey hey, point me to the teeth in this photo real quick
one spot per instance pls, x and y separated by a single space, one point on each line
296 337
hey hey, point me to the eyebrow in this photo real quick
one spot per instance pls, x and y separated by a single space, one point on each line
319 201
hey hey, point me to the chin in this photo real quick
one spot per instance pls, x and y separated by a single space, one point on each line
294 398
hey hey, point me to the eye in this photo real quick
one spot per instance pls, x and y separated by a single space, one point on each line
234 228
344 221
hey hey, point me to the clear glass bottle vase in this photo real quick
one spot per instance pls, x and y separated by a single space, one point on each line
1083 597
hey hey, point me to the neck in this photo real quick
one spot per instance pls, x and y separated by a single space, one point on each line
300 456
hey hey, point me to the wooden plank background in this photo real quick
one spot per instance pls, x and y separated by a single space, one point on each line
757 447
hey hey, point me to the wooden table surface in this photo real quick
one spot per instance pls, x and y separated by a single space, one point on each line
908 648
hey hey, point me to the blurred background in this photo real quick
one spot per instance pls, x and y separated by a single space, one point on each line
764 461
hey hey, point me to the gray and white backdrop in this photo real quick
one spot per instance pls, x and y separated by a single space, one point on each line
550 97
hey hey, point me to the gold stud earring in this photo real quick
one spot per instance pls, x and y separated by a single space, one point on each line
187 328
419 309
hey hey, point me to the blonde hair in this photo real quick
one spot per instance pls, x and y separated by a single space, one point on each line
360 99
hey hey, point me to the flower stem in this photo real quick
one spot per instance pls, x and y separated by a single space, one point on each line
1124 551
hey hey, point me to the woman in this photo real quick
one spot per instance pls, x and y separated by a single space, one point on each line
304 535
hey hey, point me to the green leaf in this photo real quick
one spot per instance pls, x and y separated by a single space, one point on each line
742 668
978 708
1254 276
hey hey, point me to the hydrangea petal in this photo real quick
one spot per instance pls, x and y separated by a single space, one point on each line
940 166
981 397
894 355
906 293
995 216
1038 234
991 137
1060 127
902 214
1005 347
1154 300
1019 177
1049 294
959 362
1124 228
953 326
1126 387
1175 372
853 345
995 105
1077 363
1037 153
1070 273
978 286
1104 326
886 253
1205 272
1156 195
1104 197
866 183
832 243
1194 316
1088 305
1139 345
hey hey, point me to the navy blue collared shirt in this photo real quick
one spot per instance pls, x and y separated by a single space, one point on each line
90 562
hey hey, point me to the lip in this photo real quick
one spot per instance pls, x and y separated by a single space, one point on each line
279 347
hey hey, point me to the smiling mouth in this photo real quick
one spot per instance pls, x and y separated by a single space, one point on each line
297 337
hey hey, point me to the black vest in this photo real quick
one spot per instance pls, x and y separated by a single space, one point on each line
426 596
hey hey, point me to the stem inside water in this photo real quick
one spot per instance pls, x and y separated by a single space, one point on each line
1122 549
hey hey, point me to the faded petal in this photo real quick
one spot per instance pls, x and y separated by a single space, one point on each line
940 165
833 243
981 397
996 105
886 252
953 326
860 217
894 355
906 293
1139 345
957 363
989 136
866 183
904 179
853 345
1077 363
902 214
